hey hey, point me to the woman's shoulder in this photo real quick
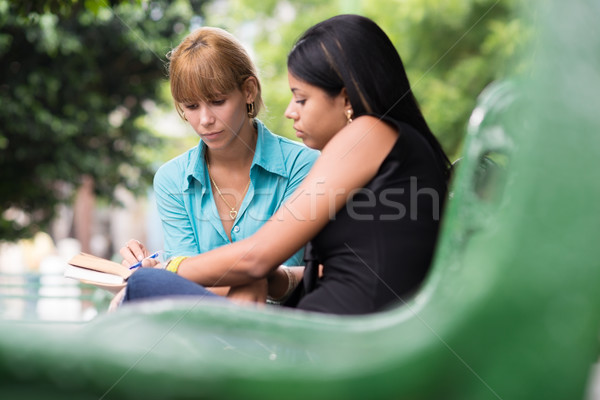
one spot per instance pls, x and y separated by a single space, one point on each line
387 122
359 148
413 147
406 134
368 131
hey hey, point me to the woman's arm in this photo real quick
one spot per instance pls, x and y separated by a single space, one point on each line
350 160
278 286
283 280
299 170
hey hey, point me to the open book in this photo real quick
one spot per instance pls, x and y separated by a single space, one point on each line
97 271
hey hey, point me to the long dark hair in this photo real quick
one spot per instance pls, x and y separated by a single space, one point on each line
353 52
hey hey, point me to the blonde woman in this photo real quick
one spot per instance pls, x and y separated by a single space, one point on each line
240 173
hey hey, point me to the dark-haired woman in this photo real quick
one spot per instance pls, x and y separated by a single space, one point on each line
369 210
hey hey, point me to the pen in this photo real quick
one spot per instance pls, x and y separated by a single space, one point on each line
139 263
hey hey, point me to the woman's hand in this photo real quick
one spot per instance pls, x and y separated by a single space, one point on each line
255 292
134 251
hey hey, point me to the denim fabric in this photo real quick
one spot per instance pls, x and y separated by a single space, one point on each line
146 283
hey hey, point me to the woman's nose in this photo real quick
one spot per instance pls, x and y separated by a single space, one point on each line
207 117
290 113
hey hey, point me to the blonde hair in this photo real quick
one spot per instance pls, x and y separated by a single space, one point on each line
208 63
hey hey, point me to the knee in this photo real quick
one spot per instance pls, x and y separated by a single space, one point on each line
143 283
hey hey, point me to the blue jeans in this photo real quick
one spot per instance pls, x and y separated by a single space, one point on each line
146 283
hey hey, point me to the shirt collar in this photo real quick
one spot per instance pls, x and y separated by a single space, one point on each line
196 167
267 155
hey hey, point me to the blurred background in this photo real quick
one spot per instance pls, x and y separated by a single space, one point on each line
86 115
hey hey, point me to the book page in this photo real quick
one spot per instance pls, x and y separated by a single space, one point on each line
91 262
92 276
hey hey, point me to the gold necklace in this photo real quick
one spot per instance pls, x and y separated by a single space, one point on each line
233 212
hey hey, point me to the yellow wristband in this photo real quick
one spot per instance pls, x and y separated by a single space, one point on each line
173 264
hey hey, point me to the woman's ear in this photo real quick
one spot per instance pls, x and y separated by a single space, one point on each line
249 89
346 100
344 94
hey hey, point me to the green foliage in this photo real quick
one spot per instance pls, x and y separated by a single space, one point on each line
78 76
73 88
451 49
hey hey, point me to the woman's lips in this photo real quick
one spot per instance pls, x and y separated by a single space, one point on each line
210 135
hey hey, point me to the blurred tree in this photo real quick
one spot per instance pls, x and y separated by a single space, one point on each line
451 49
75 78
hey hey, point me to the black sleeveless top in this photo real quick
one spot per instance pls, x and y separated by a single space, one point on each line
378 248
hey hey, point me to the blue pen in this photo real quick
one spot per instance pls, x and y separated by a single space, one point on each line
139 263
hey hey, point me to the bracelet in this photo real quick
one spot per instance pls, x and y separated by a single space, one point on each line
292 283
173 264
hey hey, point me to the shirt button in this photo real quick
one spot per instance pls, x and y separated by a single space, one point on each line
236 229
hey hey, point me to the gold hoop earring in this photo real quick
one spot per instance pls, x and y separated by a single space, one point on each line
250 109
349 113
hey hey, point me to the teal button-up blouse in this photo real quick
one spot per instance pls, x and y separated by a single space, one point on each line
185 202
